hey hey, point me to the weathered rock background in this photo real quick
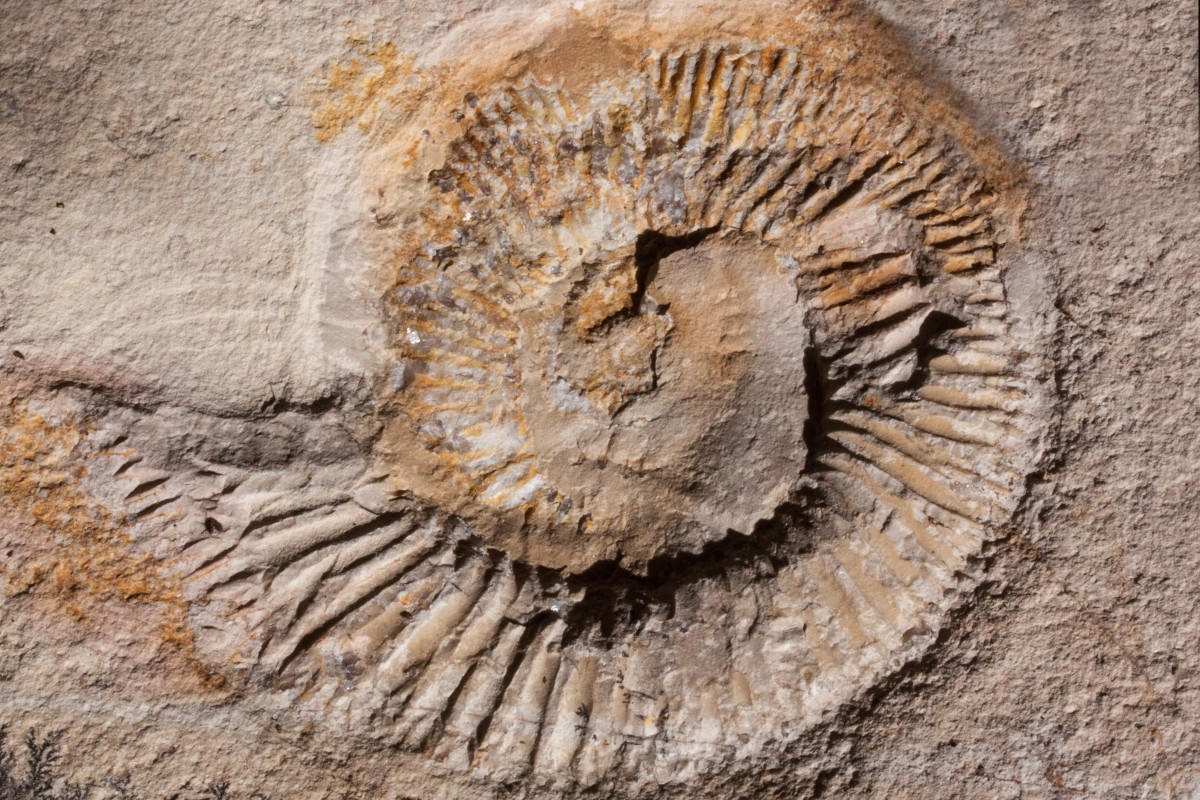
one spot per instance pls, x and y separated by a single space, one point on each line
159 165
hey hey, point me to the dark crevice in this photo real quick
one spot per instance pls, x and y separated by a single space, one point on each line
874 328
924 344
651 248
211 559
146 486
128 465
315 408
435 736
150 509
777 184
953 241
816 389
848 191
615 597
528 637
872 262
928 347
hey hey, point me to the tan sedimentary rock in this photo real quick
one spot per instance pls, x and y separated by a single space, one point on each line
699 400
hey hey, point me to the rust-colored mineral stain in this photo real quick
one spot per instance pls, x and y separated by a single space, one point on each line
357 89
85 557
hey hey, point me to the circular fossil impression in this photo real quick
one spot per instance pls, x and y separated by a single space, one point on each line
715 368
633 403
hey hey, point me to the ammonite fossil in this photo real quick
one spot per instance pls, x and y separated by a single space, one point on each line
702 402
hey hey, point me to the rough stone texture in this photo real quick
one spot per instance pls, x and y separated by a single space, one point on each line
204 428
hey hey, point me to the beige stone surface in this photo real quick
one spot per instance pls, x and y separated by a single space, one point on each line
621 399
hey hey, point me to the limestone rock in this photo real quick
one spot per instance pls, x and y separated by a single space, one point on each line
611 399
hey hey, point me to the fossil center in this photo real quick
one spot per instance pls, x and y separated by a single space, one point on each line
665 397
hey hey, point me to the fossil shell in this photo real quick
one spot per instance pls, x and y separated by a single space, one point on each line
715 371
